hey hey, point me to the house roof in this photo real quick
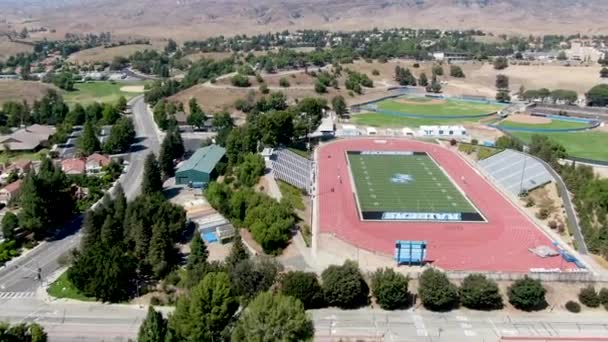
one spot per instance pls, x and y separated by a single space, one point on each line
19 164
26 138
13 187
73 165
204 159
98 158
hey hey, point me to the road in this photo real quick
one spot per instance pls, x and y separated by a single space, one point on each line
82 321
460 325
18 278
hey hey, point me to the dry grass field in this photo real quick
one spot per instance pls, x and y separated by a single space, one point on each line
221 96
197 56
102 54
8 48
480 77
23 90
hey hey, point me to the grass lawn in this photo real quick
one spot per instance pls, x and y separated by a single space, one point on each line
387 120
9 157
300 152
291 195
554 124
63 288
103 91
404 183
589 144
448 108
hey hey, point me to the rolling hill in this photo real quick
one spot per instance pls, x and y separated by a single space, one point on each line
190 19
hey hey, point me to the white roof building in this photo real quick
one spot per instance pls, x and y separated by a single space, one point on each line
442 131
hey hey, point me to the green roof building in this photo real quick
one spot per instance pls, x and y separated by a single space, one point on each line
199 170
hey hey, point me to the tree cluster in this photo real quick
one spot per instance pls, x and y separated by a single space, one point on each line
126 245
46 200
552 96
269 221
171 150
527 294
24 332
404 77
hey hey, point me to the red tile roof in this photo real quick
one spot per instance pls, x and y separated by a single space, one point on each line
73 166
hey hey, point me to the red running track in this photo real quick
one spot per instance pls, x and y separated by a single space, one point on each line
500 244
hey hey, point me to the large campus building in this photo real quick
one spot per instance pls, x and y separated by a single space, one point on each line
199 169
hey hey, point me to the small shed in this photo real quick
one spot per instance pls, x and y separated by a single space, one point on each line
200 168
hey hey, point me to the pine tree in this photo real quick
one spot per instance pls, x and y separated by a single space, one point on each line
91 228
197 261
33 208
111 231
120 204
161 248
172 148
153 328
237 254
88 142
152 182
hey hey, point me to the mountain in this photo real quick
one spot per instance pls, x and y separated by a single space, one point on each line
188 19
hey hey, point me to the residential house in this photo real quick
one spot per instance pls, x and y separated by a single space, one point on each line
21 167
10 192
95 163
73 166
30 138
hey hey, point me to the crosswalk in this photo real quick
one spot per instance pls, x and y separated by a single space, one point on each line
16 295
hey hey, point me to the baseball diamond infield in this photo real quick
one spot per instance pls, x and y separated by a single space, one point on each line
498 244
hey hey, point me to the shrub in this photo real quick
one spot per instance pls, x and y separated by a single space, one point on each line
478 292
474 141
589 297
436 291
573 306
603 295
264 88
284 82
416 65
239 80
453 142
456 71
552 224
527 294
530 202
303 286
561 228
375 72
543 213
343 286
259 78
390 289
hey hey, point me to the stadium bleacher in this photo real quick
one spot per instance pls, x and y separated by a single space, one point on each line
292 169
516 172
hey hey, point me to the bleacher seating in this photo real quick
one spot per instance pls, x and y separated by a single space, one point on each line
516 172
292 169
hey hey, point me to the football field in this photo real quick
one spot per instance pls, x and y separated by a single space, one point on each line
409 183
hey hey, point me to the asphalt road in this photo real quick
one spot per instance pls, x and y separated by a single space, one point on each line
82 321
18 278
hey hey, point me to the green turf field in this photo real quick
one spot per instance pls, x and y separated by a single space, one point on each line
451 107
103 91
554 124
587 144
404 183
387 120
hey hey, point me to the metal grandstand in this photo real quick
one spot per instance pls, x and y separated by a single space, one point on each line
292 169
516 172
